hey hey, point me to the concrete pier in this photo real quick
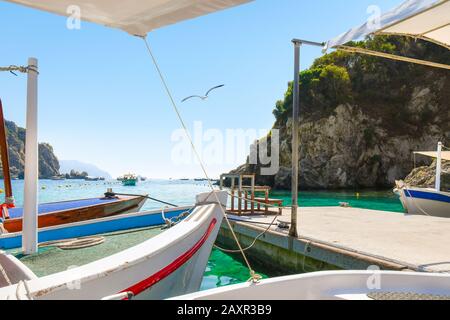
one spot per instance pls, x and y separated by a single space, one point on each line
345 238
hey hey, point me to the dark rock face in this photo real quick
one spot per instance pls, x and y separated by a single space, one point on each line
48 163
362 118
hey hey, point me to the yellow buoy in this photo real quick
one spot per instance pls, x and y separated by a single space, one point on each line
1 191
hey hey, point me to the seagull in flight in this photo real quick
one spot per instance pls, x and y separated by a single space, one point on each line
205 96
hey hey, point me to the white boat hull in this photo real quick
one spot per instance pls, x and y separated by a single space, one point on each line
334 285
169 264
428 202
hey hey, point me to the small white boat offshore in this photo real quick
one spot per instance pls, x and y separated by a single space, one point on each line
427 201
127 258
336 285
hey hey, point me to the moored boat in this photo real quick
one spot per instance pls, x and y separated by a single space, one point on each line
57 213
427 201
147 265
129 180
89 178
337 285
424 201
160 266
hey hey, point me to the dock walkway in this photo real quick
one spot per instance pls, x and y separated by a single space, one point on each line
348 238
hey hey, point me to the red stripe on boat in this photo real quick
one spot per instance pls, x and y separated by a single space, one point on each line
171 268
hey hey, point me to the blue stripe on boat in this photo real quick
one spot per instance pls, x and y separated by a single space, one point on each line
89 229
60 206
427 195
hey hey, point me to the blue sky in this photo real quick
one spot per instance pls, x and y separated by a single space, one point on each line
100 100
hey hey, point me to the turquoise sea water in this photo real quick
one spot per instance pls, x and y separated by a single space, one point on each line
222 269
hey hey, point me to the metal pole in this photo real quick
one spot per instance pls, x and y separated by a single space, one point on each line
439 167
295 141
30 206
295 128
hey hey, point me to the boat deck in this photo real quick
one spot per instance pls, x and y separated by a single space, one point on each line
352 238
52 259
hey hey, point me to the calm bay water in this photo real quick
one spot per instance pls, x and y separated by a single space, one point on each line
222 269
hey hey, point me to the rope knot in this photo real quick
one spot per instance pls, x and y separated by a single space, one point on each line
254 277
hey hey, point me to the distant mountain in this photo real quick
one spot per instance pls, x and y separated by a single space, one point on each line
67 165
48 163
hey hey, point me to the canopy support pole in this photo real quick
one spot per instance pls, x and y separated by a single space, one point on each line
439 167
30 206
295 131
393 57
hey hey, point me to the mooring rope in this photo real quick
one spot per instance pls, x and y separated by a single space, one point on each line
140 195
22 69
5 275
75 243
254 277
254 240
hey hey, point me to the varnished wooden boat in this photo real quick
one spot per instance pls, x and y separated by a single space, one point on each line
58 213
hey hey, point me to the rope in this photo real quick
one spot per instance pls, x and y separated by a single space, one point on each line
393 57
21 69
75 243
173 221
307 246
5 275
140 195
27 289
253 275
254 241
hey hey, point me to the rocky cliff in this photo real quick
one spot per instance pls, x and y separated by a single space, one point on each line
425 176
48 163
362 117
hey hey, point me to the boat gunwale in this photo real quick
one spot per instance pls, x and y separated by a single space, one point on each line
216 293
60 279
407 192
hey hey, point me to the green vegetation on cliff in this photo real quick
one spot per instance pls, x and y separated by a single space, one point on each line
48 163
379 87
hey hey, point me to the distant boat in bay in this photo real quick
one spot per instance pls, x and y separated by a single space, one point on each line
58 178
129 180
88 178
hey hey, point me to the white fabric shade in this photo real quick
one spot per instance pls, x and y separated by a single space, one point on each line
425 19
445 155
137 17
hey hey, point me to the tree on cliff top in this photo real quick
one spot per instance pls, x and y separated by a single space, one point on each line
380 87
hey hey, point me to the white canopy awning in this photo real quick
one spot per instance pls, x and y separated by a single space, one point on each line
424 19
445 155
137 17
